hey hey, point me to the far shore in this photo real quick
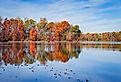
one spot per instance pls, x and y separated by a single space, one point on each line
51 42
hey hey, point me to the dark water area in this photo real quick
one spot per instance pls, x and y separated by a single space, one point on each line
60 62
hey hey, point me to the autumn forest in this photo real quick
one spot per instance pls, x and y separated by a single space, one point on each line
30 30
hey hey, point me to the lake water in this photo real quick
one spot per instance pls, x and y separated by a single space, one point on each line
60 62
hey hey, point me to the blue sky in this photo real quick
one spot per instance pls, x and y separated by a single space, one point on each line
90 15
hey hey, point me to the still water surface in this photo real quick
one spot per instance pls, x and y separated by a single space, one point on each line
60 62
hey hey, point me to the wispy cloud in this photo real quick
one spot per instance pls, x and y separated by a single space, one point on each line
91 15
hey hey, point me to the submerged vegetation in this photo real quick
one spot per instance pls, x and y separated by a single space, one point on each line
30 30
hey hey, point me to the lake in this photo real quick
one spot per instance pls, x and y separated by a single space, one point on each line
60 62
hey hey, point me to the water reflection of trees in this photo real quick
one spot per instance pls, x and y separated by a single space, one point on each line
28 53
114 47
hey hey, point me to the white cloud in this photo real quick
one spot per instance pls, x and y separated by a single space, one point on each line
87 14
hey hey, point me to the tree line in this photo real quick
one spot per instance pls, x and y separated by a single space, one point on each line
106 36
16 29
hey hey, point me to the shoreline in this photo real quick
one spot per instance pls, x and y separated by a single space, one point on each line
46 42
